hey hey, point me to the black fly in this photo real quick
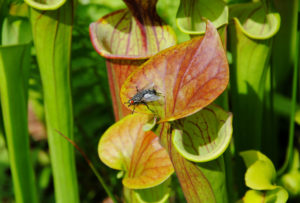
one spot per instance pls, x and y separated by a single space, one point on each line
143 97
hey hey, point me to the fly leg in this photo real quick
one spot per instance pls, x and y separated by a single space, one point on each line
133 109
147 106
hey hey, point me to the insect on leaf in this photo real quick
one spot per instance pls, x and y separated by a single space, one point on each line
188 77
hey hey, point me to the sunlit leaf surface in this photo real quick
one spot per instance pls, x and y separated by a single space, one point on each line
118 71
202 182
261 173
203 136
278 195
127 38
125 146
256 20
157 194
187 77
191 15
45 4
124 34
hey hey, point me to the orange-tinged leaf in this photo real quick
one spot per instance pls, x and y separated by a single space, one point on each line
200 182
127 38
118 71
125 146
188 77
123 35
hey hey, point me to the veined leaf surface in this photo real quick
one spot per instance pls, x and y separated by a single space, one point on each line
204 136
187 77
127 35
127 38
256 20
125 146
191 15
202 182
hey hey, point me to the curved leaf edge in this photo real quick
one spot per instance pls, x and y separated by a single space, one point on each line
102 139
119 166
254 161
149 185
255 196
45 7
208 157
259 37
102 52
201 32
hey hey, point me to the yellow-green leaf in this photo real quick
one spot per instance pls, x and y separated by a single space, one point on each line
125 146
261 173
203 136
278 195
256 20
45 5
191 15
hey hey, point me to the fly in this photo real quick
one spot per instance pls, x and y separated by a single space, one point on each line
143 97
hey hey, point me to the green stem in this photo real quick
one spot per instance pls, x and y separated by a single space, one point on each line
289 152
222 100
232 195
14 69
52 32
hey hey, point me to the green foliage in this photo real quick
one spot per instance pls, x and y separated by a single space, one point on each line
260 177
14 73
262 57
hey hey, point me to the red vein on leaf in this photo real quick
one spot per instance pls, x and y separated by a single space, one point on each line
200 88
159 169
200 130
194 58
156 37
117 149
131 171
141 152
208 137
190 142
116 27
143 35
152 154
128 40
188 178
177 85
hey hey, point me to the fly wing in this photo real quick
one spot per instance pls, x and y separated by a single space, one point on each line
148 86
150 97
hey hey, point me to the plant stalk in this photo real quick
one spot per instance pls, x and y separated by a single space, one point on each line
289 153
14 71
52 32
